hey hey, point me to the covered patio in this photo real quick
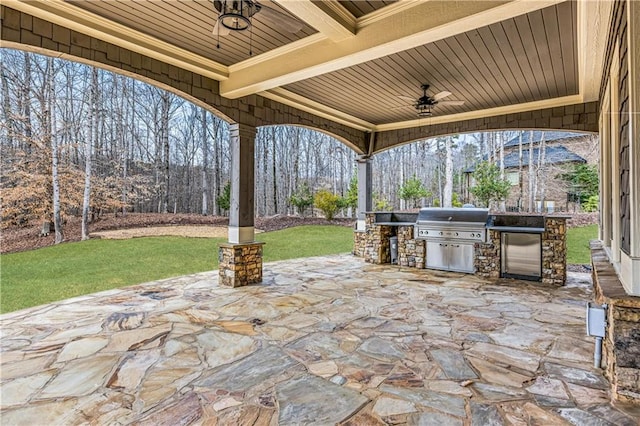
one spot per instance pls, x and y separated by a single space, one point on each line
323 340
381 342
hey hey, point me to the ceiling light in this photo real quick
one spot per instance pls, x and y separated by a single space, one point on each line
236 15
424 110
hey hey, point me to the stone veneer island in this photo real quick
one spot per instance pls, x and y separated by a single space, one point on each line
373 245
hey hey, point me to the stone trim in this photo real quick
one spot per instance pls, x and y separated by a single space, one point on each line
621 345
411 252
377 248
487 261
554 250
240 264
359 242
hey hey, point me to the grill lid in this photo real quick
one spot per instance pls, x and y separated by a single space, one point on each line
439 214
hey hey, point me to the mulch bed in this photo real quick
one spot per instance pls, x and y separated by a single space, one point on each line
28 238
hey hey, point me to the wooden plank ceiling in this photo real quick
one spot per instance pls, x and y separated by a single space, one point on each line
524 59
526 56
189 24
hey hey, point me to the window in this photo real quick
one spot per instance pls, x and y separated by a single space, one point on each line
513 178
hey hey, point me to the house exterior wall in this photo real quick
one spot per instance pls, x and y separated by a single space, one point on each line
556 189
620 133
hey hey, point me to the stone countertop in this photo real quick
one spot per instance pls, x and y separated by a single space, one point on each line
395 223
520 229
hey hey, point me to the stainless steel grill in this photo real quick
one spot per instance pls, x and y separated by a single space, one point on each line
450 235
459 225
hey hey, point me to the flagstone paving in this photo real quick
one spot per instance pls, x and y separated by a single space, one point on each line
322 340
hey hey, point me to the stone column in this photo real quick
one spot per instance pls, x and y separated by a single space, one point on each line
364 190
240 260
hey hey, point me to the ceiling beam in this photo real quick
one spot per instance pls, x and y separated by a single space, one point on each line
424 23
289 98
592 35
329 17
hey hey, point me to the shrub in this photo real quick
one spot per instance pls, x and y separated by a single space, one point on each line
455 202
489 186
224 199
302 198
327 202
592 204
412 190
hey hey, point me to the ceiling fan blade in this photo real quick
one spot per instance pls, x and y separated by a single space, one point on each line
441 95
221 28
279 20
451 103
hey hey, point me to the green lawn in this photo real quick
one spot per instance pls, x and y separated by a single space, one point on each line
54 273
578 244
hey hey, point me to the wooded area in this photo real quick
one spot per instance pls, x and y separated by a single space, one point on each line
77 140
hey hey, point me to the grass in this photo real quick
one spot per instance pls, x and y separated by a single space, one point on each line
55 273
49 274
578 244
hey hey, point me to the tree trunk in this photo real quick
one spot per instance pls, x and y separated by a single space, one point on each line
87 154
273 171
448 174
6 108
205 162
165 143
501 151
520 177
49 119
541 178
532 175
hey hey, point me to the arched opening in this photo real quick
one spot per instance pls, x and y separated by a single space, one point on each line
563 175
294 162
149 150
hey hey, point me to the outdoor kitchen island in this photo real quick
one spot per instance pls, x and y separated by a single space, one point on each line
531 247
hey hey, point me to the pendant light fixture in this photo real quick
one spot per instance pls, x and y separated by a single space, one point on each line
235 15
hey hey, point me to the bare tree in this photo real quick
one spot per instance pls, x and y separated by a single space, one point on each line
532 175
520 176
88 148
500 141
448 174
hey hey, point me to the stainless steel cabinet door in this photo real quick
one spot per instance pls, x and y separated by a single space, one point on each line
521 254
461 257
437 255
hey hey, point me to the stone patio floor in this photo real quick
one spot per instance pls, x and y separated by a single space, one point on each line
321 341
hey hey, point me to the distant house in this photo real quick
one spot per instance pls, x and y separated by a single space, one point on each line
562 151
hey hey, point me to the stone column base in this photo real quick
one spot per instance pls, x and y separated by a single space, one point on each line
240 264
